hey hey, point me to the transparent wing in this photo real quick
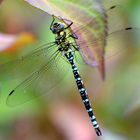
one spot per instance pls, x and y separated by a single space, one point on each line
42 81
92 41
27 64
91 45
117 43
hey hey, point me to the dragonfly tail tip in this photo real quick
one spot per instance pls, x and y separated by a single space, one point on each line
98 131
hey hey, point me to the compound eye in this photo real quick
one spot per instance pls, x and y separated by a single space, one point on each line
55 25
54 30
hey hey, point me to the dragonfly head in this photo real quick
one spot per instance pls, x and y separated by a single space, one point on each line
58 27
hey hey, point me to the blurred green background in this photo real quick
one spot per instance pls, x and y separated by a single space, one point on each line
61 114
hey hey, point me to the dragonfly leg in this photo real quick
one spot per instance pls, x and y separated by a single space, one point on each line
74 36
52 22
76 48
70 22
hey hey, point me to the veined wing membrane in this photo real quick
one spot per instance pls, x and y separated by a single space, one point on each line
118 18
122 40
118 33
117 43
27 64
40 82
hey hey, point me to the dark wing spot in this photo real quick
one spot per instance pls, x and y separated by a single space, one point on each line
128 28
112 7
11 92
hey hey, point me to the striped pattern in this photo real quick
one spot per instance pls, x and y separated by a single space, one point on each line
83 92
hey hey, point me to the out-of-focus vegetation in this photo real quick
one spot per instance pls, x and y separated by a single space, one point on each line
116 100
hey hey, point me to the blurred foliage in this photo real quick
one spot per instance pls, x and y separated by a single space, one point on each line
116 100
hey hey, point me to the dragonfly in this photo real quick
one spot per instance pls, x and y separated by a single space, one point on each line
64 47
